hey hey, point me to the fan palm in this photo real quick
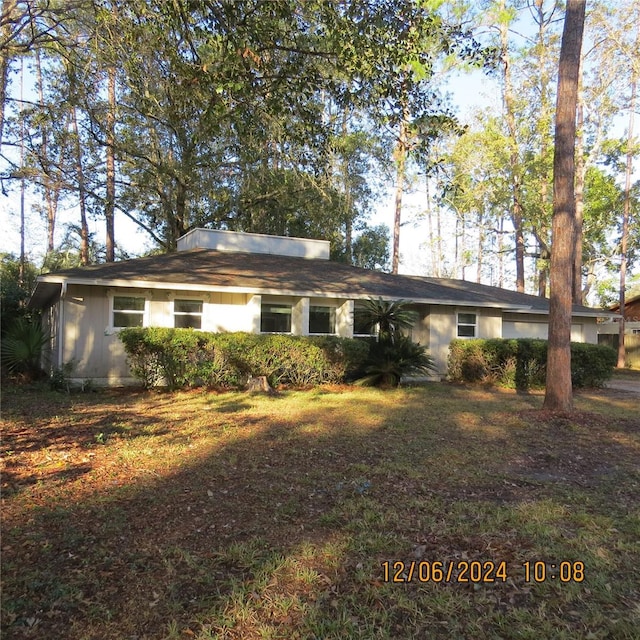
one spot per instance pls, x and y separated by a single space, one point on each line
390 317
389 362
22 347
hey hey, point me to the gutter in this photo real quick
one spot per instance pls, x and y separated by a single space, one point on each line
63 294
178 286
181 286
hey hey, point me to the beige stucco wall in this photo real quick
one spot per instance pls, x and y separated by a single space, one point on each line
95 352
531 325
93 345
442 324
86 337
442 329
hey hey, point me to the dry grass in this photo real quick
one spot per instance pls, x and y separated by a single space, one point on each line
197 515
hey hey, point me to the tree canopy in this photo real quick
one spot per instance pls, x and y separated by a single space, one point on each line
297 118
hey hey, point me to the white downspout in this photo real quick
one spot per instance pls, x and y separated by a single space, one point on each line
61 327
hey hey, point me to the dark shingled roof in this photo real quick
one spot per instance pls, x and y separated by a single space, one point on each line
287 275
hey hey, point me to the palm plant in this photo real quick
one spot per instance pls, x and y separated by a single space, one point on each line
393 355
22 347
390 317
389 362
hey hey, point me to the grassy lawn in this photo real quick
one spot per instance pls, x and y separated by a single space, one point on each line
622 374
196 515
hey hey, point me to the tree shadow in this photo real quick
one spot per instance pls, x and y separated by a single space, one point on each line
283 530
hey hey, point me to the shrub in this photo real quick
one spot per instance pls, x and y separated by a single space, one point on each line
22 348
184 357
521 363
591 364
389 361
59 380
142 355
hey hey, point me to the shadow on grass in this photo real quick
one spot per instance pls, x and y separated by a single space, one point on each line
281 529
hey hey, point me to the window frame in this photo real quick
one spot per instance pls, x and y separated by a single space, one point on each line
459 324
280 305
112 310
175 313
373 331
333 317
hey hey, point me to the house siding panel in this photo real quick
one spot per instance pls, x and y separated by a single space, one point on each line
534 326
490 323
95 348
96 352
228 312
442 323
344 319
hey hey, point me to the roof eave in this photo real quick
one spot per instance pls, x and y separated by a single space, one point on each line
45 294
155 285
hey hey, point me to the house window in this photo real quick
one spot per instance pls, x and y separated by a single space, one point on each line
362 324
187 314
322 319
275 318
128 311
467 323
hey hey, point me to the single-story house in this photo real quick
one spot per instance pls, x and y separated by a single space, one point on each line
228 281
631 318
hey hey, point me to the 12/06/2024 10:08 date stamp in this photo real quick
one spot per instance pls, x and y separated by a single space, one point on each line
478 571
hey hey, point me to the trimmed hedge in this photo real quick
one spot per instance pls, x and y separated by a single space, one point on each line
179 358
522 363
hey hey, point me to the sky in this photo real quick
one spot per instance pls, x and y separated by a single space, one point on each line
469 91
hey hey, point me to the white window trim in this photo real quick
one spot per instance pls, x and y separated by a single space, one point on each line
119 294
373 332
475 326
335 320
277 304
172 310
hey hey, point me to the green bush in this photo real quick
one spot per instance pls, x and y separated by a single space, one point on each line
521 364
22 348
184 357
389 361
591 364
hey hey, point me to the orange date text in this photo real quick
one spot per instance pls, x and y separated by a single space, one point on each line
458 571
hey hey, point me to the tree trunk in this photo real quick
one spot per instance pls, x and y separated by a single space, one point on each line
500 252
543 15
8 10
51 189
348 201
559 392
23 258
111 163
480 249
84 228
439 241
625 224
401 158
516 190
429 212
579 192
543 269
